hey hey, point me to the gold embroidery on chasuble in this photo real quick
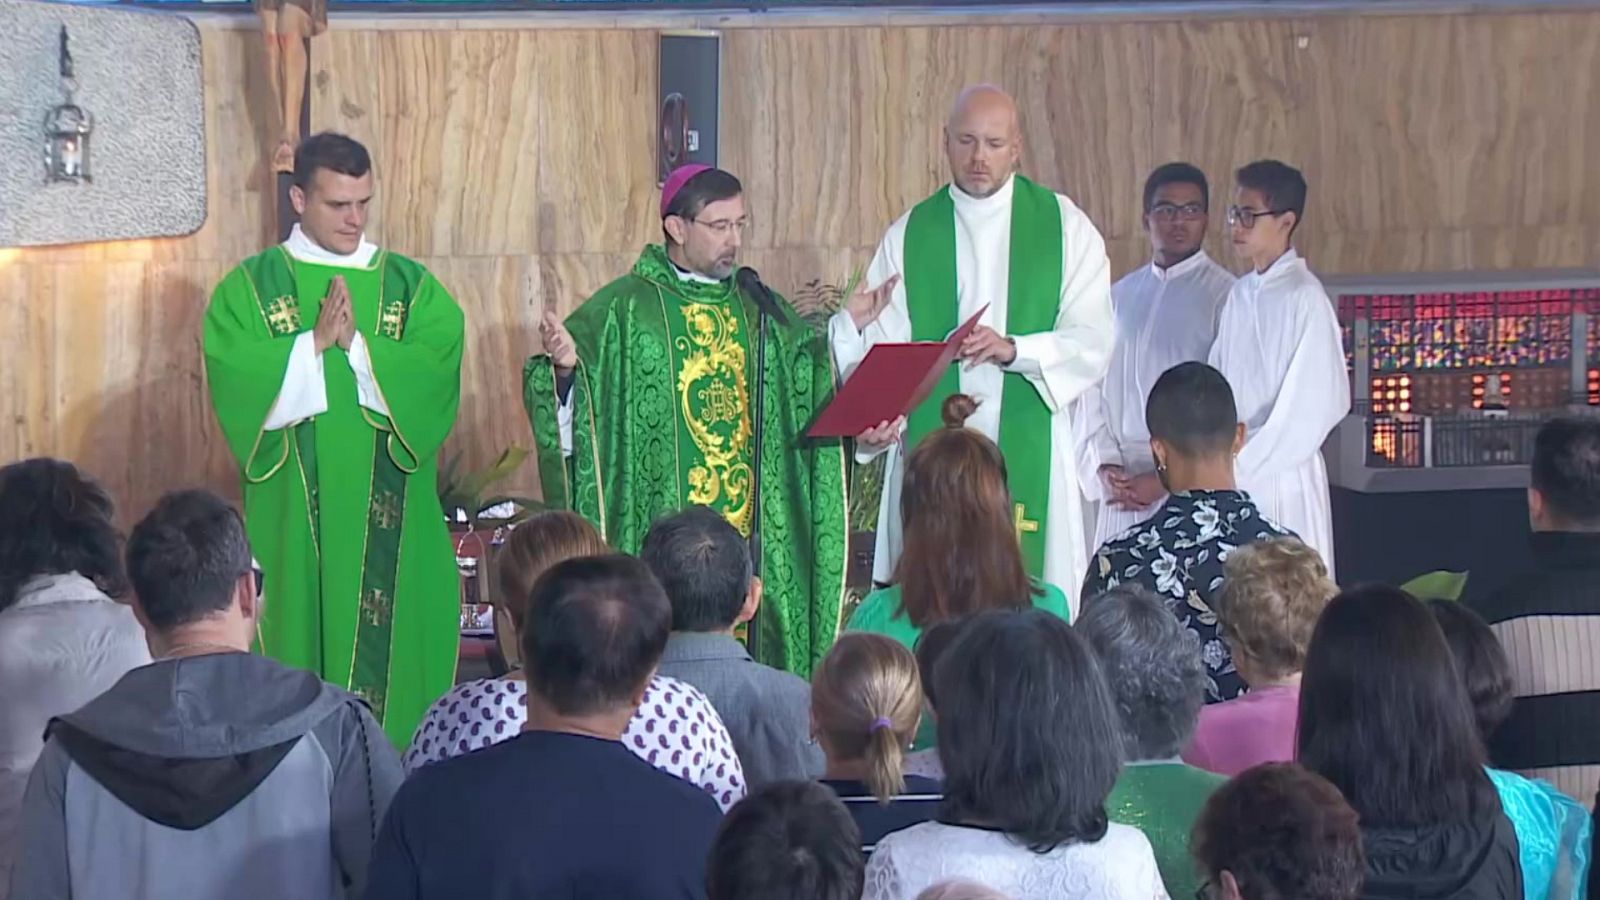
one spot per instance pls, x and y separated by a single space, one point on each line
377 607
715 402
392 321
386 511
283 316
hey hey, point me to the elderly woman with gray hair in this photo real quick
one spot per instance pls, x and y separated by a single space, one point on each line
1158 679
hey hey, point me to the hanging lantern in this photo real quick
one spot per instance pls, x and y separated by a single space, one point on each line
67 129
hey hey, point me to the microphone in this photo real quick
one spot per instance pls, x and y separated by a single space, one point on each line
749 282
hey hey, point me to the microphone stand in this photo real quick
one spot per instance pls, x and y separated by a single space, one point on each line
766 310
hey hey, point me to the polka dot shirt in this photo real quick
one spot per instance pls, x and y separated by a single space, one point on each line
676 730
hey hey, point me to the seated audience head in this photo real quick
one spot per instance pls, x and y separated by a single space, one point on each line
1194 426
704 565
1279 832
961 553
189 561
790 840
1176 200
961 889
1383 714
1153 666
1268 204
596 628
1272 594
535 545
866 702
57 521
1565 475
1028 733
1484 668
931 647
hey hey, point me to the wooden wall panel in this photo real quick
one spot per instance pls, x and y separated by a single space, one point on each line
519 164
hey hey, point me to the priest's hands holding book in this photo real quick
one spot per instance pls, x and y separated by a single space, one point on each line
558 343
881 436
985 345
336 323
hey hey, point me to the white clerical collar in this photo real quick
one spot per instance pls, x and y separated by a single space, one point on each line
1282 264
691 275
1188 266
996 202
302 247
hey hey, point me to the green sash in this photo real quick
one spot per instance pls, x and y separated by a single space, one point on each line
1033 295
272 275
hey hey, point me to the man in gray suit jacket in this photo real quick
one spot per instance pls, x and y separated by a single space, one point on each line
705 567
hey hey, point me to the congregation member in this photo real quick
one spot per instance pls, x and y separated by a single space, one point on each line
1553 830
961 889
960 553
1031 265
1153 667
211 772
865 703
1166 314
1279 832
1384 717
1179 553
335 371
1031 747
63 638
1272 594
676 729
647 389
789 840
1279 345
1548 618
547 813
930 649
705 568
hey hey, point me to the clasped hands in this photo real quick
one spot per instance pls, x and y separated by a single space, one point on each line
1130 492
336 323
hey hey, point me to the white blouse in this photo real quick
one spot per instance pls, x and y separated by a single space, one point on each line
676 730
1119 866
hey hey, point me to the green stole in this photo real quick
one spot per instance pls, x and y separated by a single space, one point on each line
272 276
1033 294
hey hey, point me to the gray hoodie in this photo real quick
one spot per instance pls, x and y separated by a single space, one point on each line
227 775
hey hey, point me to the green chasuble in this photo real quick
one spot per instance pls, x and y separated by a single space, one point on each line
662 410
342 508
1033 294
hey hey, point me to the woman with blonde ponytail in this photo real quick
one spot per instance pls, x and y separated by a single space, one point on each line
866 701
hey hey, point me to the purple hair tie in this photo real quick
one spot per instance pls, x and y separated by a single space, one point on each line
880 722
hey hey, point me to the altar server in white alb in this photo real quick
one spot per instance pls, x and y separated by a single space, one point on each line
1279 346
1166 314
995 239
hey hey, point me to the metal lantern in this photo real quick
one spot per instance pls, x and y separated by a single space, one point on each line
67 129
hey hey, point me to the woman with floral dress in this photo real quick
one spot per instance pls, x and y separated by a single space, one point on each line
1178 553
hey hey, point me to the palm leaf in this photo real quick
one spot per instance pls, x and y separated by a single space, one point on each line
1441 585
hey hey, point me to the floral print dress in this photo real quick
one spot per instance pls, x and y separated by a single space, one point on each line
1178 553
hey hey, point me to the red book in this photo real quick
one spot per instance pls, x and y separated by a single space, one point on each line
892 381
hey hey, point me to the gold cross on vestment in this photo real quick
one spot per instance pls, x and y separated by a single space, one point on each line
283 315
386 510
393 320
375 608
720 403
1022 522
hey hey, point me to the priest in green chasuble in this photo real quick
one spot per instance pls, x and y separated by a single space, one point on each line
644 403
335 371
1027 256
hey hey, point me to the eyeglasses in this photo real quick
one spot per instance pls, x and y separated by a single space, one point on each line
1203 892
725 227
1167 212
1238 215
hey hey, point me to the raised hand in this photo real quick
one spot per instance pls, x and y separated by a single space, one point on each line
558 343
865 305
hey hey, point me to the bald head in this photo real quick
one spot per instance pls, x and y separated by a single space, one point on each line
983 139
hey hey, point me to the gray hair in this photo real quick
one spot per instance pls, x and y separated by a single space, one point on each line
1153 665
